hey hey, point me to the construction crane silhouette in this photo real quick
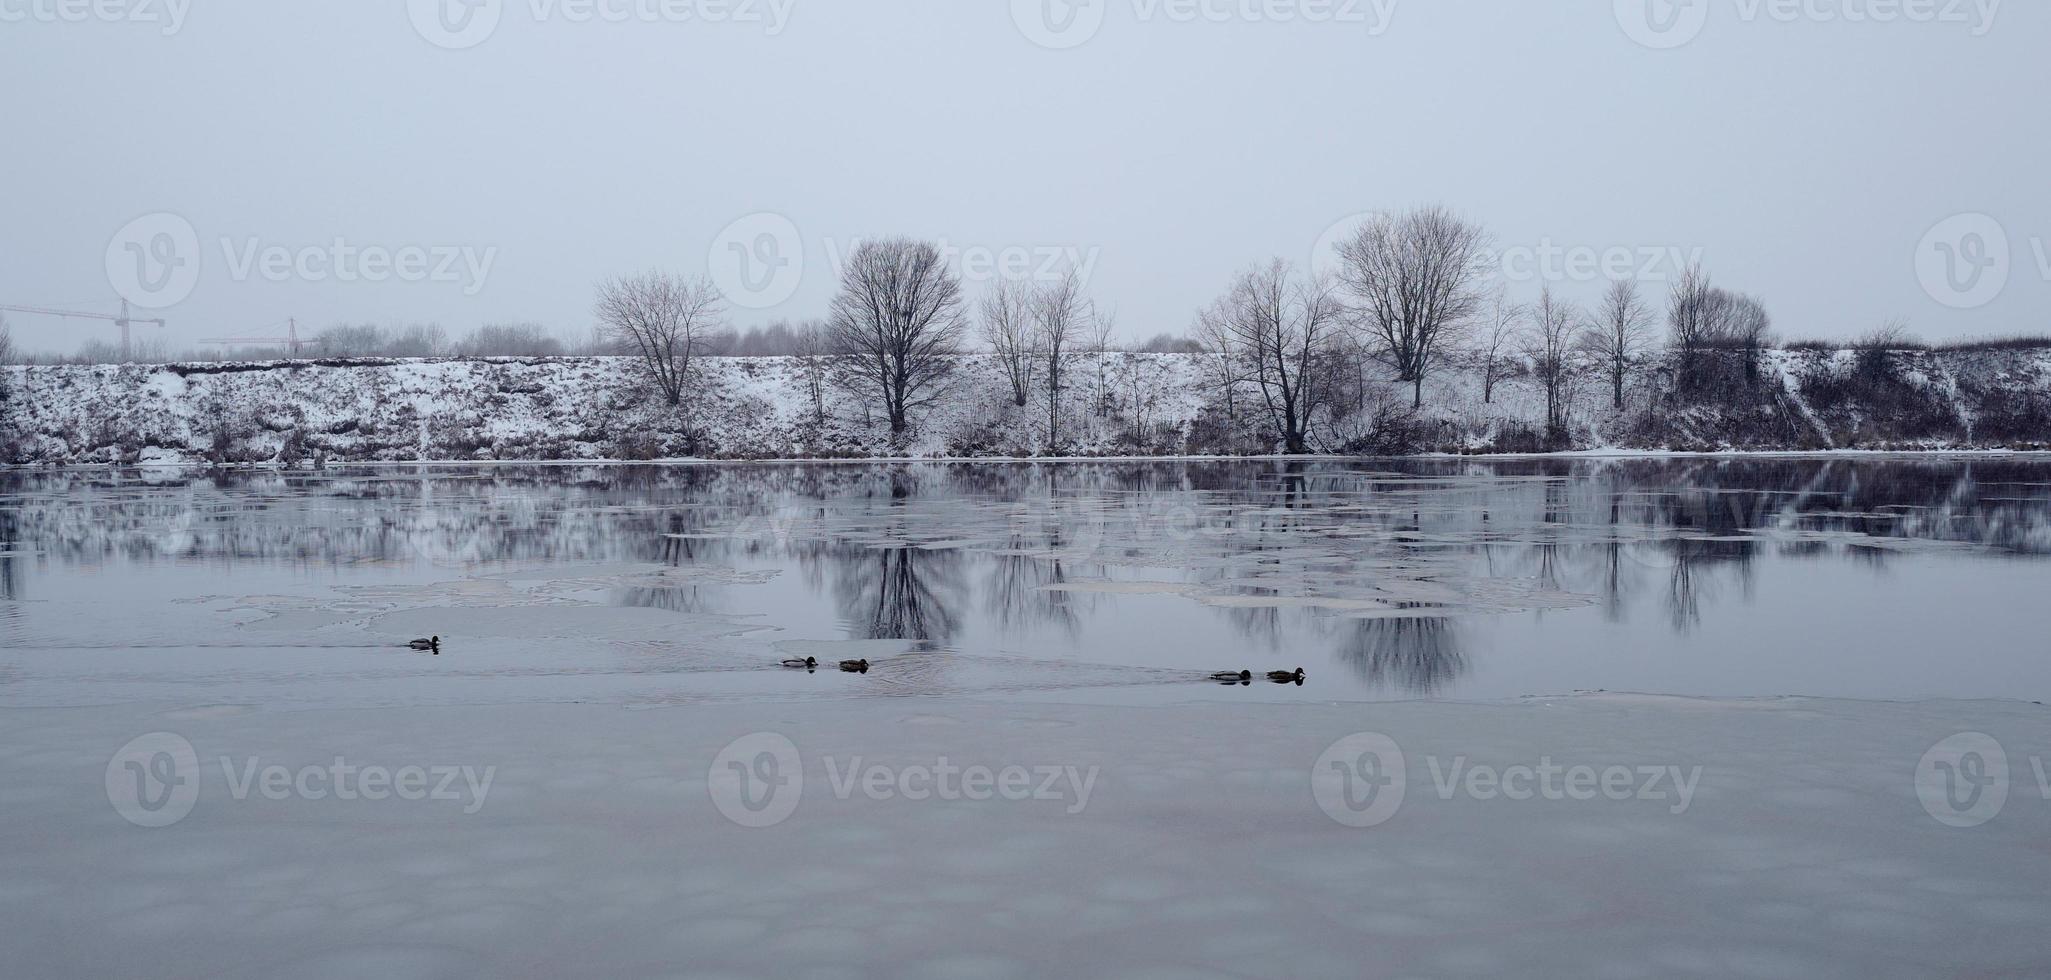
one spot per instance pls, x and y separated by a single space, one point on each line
290 341
124 321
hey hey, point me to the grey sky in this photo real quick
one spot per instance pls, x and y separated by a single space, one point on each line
1805 157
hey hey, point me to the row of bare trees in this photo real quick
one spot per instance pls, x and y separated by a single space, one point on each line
1705 318
1034 330
893 332
1403 286
1406 290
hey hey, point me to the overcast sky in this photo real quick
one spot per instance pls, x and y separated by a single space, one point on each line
209 157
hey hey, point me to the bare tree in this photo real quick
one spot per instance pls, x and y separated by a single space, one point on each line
898 324
1009 329
1750 329
1063 319
663 319
1699 320
6 358
1550 345
811 351
1413 279
1621 333
1498 333
1284 328
1097 336
1221 353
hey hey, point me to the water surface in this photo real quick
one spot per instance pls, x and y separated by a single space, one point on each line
1861 578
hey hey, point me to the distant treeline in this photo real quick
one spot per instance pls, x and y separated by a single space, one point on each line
782 338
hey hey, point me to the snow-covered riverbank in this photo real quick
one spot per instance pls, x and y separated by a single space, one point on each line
1119 405
1200 848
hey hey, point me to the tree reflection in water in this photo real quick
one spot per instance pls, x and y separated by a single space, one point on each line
930 552
1414 655
898 593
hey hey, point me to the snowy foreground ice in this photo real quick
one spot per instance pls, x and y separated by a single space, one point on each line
1201 848
219 759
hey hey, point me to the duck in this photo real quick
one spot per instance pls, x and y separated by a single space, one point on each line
1285 677
1233 677
855 666
433 643
808 663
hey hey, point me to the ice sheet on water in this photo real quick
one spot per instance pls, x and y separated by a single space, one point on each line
1201 850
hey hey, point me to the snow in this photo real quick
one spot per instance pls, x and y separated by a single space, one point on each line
1154 405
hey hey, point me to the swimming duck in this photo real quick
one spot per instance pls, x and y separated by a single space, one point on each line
1233 677
806 664
1285 677
855 666
432 643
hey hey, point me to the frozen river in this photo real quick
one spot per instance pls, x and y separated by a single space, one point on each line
1752 717
1853 579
